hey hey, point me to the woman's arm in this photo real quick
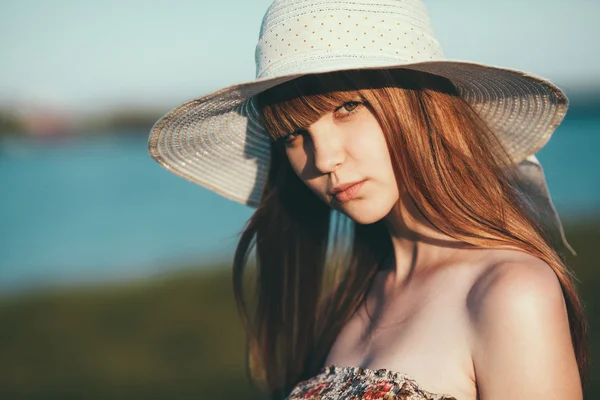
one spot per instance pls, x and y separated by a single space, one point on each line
521 344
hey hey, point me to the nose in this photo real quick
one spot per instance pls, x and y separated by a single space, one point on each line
327 145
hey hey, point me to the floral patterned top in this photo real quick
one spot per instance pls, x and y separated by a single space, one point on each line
353 383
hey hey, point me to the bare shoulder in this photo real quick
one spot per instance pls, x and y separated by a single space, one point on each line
520 339
513 279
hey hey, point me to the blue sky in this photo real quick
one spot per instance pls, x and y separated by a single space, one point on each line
87 55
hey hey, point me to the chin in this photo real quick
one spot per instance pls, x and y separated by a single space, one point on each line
366 211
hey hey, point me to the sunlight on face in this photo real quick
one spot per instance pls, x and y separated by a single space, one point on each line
344 147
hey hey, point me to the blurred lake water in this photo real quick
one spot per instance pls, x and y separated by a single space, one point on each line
96 208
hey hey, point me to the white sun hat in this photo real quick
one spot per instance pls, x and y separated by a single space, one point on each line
219 142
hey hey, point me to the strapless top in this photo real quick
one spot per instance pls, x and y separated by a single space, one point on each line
350 383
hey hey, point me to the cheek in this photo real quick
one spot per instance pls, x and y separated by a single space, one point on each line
373 160
299 161
370 150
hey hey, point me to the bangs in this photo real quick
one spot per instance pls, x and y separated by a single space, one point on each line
297 104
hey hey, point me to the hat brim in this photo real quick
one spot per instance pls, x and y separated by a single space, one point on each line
218 142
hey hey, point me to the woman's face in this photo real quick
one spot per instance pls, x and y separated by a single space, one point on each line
344 159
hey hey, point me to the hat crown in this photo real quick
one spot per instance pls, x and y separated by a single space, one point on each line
304 36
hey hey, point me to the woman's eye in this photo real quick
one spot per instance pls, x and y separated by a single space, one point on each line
348 108
351 105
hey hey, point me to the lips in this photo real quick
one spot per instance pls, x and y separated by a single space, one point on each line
348 192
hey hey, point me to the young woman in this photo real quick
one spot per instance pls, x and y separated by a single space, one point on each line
406 245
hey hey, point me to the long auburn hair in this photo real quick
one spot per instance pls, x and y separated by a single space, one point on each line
313 268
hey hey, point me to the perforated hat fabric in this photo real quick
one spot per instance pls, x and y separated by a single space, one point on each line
218 141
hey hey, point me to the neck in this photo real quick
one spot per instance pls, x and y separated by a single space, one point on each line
418 246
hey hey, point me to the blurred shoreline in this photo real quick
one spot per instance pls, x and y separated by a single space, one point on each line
45 123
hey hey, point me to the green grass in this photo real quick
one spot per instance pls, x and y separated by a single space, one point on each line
177 337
